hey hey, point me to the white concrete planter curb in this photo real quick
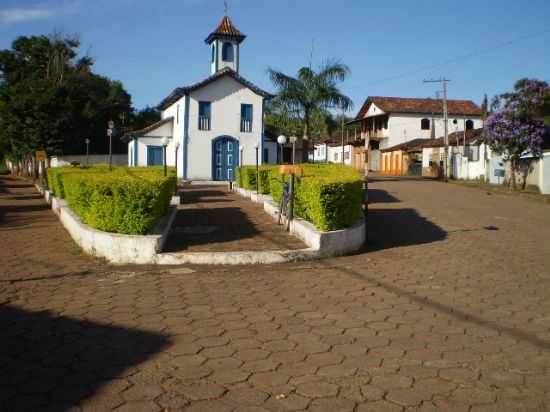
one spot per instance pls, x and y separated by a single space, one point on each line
321 244
116 248
146 249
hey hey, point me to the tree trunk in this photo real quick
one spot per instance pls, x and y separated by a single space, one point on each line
513 170
305 139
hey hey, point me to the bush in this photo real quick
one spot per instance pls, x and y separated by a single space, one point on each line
328 195
126 200
247 176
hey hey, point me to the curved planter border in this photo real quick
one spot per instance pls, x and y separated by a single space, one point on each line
115 248
146 249
325 244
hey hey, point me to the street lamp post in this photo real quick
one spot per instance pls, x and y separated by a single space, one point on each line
87 141
176 147
241 155
164 143
293 141
257 169
282 141
110 128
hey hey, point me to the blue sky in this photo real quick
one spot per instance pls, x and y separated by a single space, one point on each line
390 46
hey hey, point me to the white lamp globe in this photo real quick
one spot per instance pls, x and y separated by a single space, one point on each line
164 141
256 146
281 139
177 145
293 139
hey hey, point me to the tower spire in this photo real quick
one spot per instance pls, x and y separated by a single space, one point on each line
225 7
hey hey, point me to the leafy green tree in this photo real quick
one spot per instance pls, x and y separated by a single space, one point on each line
144 117
311 93
51 100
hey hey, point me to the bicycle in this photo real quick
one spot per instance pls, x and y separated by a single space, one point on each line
284 207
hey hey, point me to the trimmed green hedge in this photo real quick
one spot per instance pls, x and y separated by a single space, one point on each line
328 195
247 175
126 200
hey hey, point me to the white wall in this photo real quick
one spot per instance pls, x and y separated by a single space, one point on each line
320 153
177 132
404 127
153 138
331 150
118 160
462 168
226 96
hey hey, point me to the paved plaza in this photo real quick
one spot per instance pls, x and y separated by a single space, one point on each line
446 309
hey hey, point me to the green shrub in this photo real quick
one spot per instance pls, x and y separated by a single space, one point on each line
126 200
247 176
328 195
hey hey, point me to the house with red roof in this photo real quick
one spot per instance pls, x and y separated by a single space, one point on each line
391 121
212 126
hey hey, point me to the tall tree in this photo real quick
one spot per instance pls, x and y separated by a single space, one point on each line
50 99
311 92
516 130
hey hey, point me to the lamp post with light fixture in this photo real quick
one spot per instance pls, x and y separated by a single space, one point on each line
164 143
87 141
293 140
282 141
110 131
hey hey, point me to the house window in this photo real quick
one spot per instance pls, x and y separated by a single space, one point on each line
227 52
213 52
425 124
266 155
336 156
246 118
204 115
473 153
346 155
469 124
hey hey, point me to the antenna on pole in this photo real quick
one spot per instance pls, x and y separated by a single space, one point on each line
311 54
225 7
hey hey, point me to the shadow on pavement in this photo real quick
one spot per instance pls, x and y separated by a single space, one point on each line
381 196
449 310
193 227
55 362
389 228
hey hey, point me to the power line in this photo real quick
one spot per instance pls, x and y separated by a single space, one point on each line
450 61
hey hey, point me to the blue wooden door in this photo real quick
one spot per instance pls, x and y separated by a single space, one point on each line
154 156
225 158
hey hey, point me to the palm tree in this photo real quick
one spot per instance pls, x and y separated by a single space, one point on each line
311 91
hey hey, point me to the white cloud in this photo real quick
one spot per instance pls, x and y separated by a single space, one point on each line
38 12
9 16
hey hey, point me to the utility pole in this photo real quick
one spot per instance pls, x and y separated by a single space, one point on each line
444 82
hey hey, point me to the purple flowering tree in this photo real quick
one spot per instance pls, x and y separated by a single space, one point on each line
516 130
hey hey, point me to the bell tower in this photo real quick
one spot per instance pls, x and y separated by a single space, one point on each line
224 44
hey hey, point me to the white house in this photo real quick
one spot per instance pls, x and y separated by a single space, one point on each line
468 158
390 121
213 125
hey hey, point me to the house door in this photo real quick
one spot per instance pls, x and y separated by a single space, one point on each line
225 158
154 156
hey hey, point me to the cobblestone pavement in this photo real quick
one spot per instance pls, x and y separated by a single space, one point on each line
213 219
448 310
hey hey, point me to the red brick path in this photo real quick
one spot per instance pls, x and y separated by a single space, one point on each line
447 311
